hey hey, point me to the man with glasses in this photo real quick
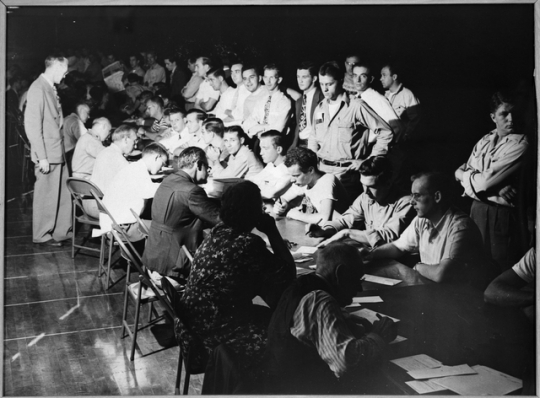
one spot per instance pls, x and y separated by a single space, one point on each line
448 240
348 82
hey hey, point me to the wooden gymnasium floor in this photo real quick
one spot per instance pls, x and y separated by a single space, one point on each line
62 327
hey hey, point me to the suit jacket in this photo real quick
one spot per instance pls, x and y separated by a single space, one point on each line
43 122
317 97
180 211
177 80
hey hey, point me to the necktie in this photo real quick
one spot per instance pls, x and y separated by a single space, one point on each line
303 120
267 109
58 106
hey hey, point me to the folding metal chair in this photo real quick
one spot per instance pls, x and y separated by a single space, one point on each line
142 226
80 190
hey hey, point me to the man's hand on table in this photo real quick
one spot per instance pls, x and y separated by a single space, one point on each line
386 328
315 231
344 233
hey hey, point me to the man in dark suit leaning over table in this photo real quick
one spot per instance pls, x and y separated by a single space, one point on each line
180 211
448 240
312 342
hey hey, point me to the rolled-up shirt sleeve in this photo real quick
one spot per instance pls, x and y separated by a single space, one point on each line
390 229
409 239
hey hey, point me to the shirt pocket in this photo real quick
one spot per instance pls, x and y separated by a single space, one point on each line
345 131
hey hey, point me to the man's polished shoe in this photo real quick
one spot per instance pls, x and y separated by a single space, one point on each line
50 242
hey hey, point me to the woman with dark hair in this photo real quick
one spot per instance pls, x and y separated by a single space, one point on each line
231 267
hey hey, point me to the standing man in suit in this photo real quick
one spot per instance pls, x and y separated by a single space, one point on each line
43 122
306 75
177 79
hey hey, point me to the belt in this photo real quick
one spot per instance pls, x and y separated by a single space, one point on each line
338 164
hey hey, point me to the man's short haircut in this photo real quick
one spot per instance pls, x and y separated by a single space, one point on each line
366 65
309 66
155 149
337 253
206 61
252 66
125 130
217 72
303 157
437 181
174 110
238 130
273 66
192 59
201 115
241 206
276 138
173 58
191 156
49 61
350 55
138 57
80 105
377 166
152 53
331 69
156 99
499 98
394 68
101 121
214 125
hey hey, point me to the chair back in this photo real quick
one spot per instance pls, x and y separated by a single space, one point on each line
142 226
81 189
195 354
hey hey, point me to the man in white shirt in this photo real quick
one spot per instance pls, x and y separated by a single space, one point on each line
194 122
129 190
88 147
235 114
274 179
73 128
253 82
216 79
155 72
176 135
272 111
206 98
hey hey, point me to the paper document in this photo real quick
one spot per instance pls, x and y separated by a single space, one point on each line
370 299
417 362
354 305
306 250
314 266
302 271
371 315
487 381
381 280
398 339
302 259
424 387
442 372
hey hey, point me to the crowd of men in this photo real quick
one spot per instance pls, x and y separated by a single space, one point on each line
329 154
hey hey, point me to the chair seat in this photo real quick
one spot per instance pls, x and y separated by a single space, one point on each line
147 294
87 220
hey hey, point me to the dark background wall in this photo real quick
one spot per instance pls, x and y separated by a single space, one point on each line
456 55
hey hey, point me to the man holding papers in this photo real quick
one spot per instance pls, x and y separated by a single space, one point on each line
312 342
448 240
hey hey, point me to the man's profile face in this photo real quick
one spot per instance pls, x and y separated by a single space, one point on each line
304 79
251 80
130 142
361 78
269 151
169 65
329 87
84 113
386 78
201 68
236 73
215 82
504 119
157 163
193 123
152 109
298 177
60 70
421 200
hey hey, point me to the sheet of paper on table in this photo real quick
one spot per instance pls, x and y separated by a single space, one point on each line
381 280
417 362
424 387
486 381
302 259
306 250
398 339
371 315
368 299
442 372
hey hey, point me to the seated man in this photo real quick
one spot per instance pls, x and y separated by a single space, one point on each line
73 128
194 122
235 114
206 97
379 215
212 137
216 79
180 211
176 135
242 162
507 289
312 341
322 193
274 179
155 121
155 72
252 79
88 147
192 86
449 242
129 189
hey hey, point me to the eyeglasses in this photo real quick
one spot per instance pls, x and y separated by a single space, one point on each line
350 63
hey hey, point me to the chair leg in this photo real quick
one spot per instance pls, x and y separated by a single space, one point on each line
73 223
186 383
126 299
178 372
101 253
136 325
109 262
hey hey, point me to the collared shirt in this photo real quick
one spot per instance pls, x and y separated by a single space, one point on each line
271 175
326 187
86 151
155 74
455 236
174 139
382 107
128 190
353 133
225 102
242 165
73 128
382 222
304 134
206 92
319 322
192 86
108 163
279 112
407 107
492 165
252 99
526 267
239 99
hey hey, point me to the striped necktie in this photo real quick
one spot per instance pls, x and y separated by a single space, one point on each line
267 109
303 119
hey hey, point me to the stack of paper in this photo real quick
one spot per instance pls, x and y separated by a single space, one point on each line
381 280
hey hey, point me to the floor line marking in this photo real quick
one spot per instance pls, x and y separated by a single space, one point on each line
62 299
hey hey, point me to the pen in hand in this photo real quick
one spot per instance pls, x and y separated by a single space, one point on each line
308 227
